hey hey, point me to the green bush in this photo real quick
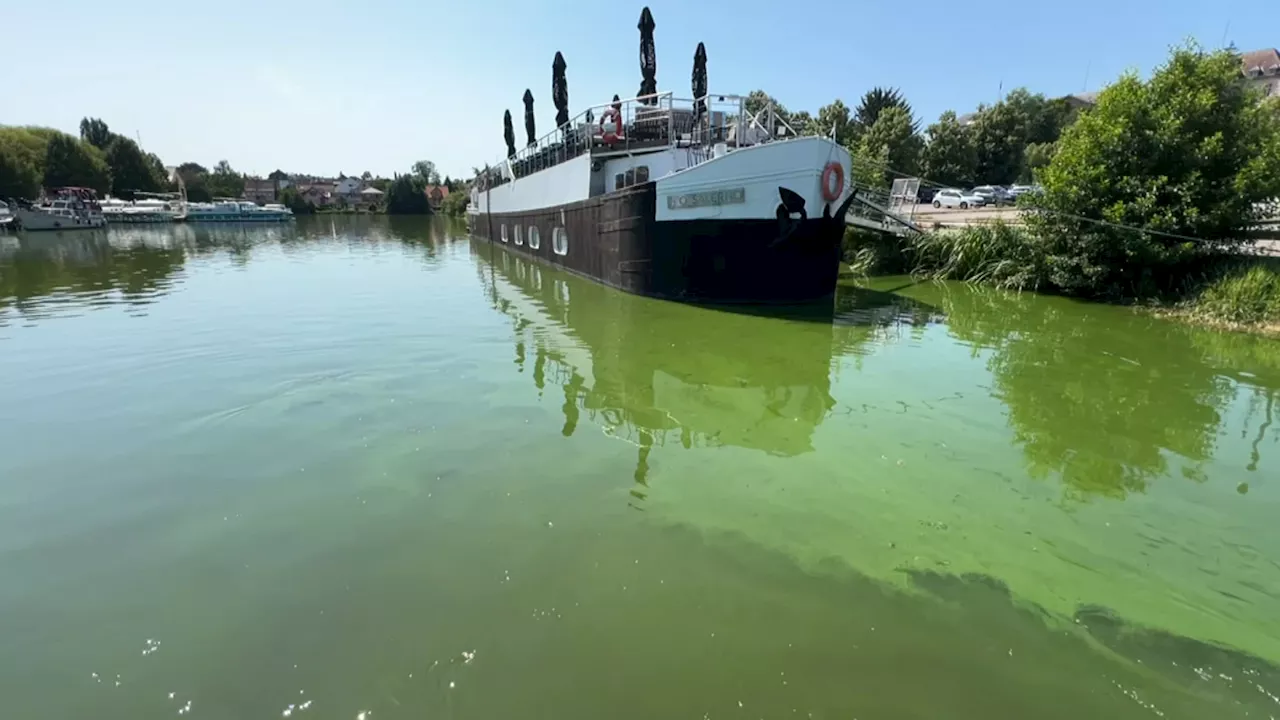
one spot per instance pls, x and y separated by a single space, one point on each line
1190 153
1244 292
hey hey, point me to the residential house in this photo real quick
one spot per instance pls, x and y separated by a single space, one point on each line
436 195
1262 69
259 190
1081 100
348 189
320 194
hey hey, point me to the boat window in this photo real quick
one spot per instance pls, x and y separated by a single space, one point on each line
642 174
618 181
519 236
504 232
631 177
560 241
534 241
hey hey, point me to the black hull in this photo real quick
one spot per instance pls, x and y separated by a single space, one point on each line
616 240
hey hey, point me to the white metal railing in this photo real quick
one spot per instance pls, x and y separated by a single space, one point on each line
645 123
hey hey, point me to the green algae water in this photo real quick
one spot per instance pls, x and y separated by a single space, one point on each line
367 468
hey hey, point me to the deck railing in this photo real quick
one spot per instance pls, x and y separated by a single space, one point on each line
644 123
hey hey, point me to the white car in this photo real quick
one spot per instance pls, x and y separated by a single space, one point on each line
957 198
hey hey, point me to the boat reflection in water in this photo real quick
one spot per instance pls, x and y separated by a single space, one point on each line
654 372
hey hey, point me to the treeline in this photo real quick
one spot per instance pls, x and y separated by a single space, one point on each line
32 158
35 157
1000 144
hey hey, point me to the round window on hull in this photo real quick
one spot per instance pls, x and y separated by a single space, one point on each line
560 241
534 241
504 232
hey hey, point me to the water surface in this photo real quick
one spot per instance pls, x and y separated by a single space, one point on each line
368 466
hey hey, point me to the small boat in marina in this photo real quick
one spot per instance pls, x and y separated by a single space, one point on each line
147 211
237 211
67 208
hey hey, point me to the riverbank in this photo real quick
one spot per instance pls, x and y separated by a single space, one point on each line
1222 290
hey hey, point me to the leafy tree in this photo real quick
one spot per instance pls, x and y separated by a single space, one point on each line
406 195
1004 130
195 177
1190 153
950 156
869 161
19 178
426 170
893 142
1000 135
366 175
158 170
72 162
130 170
292 199
804 123
1035 158
836 115
96 133
456 204
874 102
225 181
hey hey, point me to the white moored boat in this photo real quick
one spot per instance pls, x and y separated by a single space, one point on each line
68 208
700 200
147 211
237 211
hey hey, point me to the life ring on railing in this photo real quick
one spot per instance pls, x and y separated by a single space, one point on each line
832 181
611 136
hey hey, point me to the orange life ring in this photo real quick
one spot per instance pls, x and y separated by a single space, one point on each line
611 136
832 181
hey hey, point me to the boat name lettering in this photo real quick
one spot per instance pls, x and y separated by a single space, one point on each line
732 196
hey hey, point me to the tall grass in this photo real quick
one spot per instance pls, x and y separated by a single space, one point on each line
1243 292
996 254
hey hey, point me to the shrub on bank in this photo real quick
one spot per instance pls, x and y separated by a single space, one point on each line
998 254
1242 292
1189 157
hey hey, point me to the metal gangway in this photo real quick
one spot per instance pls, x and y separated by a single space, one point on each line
891 211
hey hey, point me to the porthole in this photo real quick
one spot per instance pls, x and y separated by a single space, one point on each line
534 241
519 236
504 232
560 241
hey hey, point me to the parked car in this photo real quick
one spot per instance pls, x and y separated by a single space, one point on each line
925 195
1018 191
994 195
957 198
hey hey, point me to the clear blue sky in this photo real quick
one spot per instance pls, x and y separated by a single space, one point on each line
327 86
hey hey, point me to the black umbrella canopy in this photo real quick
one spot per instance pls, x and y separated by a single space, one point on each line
700 80
528 117
560 90
509 134
648 59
